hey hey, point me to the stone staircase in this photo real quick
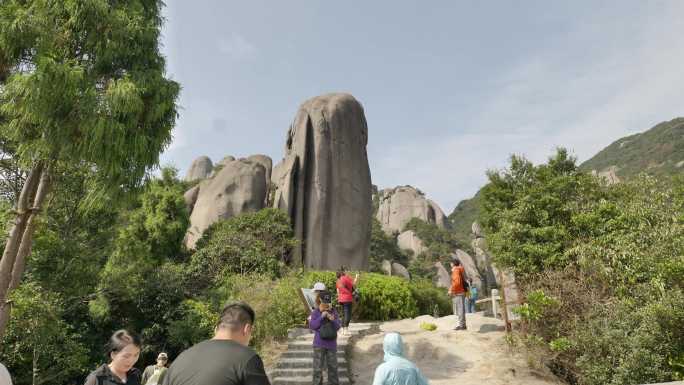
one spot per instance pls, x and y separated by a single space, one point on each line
295 366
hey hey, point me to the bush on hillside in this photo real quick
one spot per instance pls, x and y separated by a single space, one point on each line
384 247
601 268
430 299
246 244
385 297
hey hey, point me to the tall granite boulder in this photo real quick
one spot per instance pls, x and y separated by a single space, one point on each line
239 187
408 240
324 183
397 206
470 267
199 169
442 276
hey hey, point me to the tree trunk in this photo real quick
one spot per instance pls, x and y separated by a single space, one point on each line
27 239
35 366
24 214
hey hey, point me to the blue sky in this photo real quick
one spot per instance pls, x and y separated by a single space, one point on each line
450 88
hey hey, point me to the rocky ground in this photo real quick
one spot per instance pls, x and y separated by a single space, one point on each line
477 356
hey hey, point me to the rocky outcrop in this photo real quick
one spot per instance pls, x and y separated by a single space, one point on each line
442 277
477 230
399 205
408 240
240 186
190 198
199 169
482 259
386 267
608 175
324 183
470 267
400 271
226 159
264 161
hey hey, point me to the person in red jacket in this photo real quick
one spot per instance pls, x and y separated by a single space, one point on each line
457 292
345 289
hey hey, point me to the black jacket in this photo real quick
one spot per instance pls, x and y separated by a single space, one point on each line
104 376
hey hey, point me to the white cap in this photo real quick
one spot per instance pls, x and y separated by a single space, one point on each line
319 286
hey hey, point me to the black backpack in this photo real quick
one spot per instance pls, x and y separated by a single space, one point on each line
327 330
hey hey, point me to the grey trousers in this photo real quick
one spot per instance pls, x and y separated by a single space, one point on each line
459 309
323 357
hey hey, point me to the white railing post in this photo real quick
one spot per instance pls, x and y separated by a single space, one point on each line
495 305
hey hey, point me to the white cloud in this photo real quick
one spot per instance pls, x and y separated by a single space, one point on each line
579 94
236 46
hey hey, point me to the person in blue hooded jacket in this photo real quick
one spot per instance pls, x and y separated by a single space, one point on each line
395 369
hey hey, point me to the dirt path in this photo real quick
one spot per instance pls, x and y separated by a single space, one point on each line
478 356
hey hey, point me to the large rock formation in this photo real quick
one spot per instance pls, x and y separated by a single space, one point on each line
470 267
324 183
397 206
482 259
240 186
442 277
190 197
199 169
408 240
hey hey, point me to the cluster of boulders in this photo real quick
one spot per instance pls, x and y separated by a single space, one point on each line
231 187
323 183
397 206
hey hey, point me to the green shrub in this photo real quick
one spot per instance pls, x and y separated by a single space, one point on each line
195 322
430 298
275 302
384 298
633 343
246 244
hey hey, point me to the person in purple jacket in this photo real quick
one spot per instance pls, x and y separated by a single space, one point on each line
325 323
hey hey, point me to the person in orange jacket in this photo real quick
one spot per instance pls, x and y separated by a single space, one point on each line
457 292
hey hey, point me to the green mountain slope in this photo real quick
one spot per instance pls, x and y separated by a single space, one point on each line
658 151
463 216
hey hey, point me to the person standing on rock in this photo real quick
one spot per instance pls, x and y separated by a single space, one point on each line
395 369
345 289
472 296
225 359
325 323
457 292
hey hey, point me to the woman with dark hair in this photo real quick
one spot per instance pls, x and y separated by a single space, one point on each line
123 351
345 289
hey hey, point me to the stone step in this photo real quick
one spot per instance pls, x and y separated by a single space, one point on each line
306 354
308 345
304 372
304 363
302 380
